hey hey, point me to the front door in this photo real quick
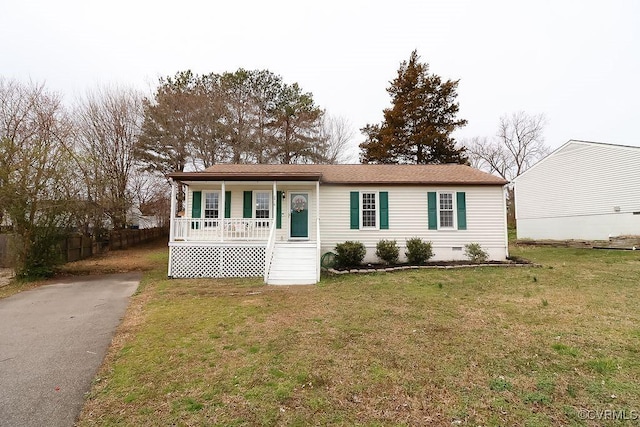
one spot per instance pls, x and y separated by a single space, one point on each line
299 215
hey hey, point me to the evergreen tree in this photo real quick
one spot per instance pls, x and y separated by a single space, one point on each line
417 128
297 120
246 116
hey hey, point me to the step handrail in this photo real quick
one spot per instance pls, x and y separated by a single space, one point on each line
269 251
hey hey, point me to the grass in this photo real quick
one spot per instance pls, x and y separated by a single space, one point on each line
483 346
140 258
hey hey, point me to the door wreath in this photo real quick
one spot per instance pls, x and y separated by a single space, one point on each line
299 203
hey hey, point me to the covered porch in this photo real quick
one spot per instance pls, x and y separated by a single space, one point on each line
236 227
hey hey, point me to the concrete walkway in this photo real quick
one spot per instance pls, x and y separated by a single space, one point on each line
53 339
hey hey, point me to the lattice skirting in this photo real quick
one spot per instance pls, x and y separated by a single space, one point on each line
217 261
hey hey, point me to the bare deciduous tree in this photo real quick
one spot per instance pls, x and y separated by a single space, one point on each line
518 145
151 194
36 173
336 134
108 127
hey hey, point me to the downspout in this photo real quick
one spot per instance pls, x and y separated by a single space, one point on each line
505 192
318 245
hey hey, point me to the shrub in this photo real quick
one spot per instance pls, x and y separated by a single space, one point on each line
388 251
475 253
38 256
418 251
349 254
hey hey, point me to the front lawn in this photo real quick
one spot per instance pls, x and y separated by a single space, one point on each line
481 346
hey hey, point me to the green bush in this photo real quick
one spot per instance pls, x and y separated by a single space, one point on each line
475 253
388 251
38 256
418 251
349 254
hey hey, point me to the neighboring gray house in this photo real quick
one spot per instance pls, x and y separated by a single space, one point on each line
582 190
276 221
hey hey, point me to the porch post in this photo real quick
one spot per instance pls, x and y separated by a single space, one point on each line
172 219
173 209
318 205
221 210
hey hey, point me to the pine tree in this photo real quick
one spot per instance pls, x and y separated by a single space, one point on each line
417 128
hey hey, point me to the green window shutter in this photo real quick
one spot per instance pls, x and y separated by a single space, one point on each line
247 205
355 210
196 205
196 208
384 210
279 209
227 204
432 208
461 204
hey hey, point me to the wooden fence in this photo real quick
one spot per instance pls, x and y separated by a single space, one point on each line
78 246
123 239
6 256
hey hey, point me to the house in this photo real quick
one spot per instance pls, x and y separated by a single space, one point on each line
276 221
582 190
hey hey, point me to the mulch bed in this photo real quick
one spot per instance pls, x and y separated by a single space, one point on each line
380 268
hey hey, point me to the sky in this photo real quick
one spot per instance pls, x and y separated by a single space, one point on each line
576 62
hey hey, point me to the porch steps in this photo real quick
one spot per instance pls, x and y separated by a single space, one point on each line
293 263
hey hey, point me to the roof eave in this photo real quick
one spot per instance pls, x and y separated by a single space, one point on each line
396 183
208 176
246 176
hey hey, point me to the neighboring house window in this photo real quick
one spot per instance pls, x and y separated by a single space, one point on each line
263 205
211 208
369 210
445 210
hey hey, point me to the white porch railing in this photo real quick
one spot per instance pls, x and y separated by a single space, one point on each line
219 230
269 252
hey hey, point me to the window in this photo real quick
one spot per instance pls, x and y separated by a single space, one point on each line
369 210
263 204
445 210
211 208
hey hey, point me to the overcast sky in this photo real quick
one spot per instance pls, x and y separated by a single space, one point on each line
578 62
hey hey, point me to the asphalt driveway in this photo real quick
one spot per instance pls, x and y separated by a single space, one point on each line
53 339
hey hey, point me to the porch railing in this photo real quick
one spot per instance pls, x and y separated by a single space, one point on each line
214 229
269 252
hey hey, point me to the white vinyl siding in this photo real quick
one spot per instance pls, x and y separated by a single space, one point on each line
407 213
581 191
408 217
